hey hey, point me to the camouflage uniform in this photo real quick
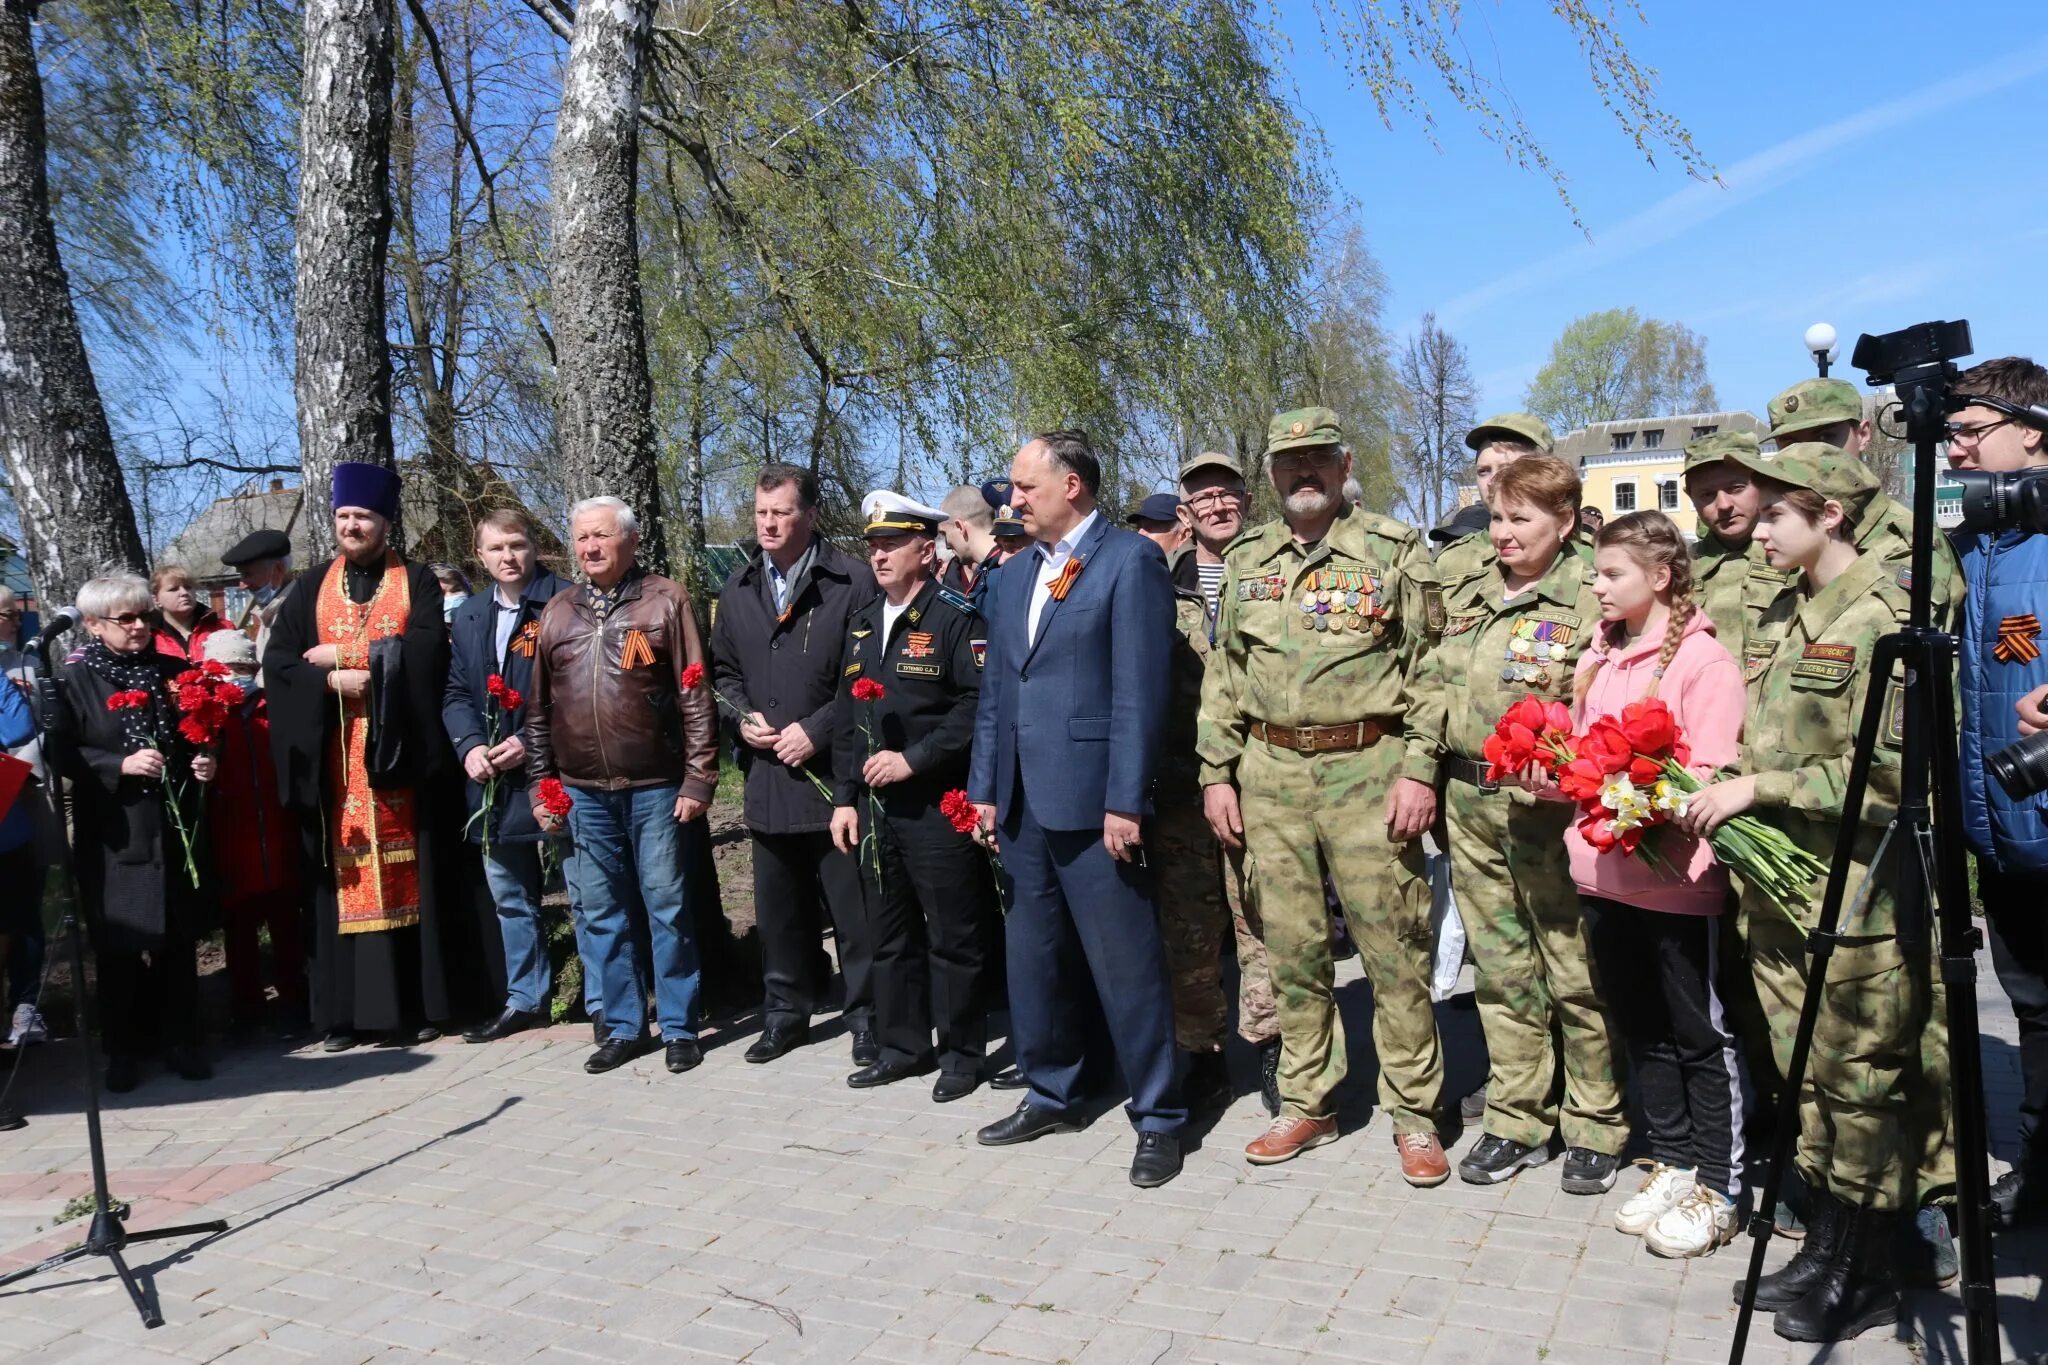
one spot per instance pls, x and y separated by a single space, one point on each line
1514 884
1371 606
1197 895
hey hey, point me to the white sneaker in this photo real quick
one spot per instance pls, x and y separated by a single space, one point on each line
1703 1220
1661 1192
28 1026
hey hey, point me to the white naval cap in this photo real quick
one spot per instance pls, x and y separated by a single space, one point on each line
890 513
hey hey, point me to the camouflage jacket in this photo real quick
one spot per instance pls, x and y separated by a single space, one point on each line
1322 636
1465 555
1808 677
1887 535
1493 654
1734 588
1179 780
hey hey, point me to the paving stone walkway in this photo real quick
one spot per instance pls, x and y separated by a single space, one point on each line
496 1204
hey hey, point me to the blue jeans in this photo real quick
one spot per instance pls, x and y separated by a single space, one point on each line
628 849
512 871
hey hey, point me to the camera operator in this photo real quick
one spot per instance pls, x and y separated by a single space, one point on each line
2004 686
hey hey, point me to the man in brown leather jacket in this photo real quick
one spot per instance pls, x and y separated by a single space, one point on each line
638 753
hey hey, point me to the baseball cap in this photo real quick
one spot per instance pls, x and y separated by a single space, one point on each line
1519 426
1721 445
1302 428
1156 507
1827 470
1813 404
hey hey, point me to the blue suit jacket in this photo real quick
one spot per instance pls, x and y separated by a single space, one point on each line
1075 719
466 705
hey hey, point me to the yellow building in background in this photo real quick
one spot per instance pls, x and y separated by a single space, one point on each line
1631 465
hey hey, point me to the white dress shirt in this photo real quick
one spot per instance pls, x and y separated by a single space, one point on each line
1052 559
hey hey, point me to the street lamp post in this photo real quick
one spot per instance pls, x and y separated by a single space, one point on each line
1821 345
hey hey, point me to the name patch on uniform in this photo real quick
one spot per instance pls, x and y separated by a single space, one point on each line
1825 663
1840 654
980 648
909 670
851 669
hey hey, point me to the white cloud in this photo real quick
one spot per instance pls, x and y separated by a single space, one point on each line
1686 209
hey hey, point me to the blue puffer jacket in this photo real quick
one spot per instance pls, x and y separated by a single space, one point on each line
2007 576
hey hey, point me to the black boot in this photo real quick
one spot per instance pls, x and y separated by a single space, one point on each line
1855 1291
1208 1084
1269 1075
1786 1285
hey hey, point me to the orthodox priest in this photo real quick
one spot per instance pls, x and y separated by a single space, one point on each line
354 667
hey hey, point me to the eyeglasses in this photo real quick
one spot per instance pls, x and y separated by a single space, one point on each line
11 614
1315 459
1211 498
1964 433
127 618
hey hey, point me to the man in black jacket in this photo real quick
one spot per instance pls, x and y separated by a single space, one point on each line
491 637
776 653
900 754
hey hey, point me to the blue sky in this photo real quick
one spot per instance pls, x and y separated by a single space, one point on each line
1867 180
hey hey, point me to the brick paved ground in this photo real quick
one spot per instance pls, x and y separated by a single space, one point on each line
496 1204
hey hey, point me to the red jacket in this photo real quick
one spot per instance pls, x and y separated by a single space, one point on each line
193 650
254 843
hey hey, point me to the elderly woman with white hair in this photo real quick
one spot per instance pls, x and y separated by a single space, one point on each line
127 763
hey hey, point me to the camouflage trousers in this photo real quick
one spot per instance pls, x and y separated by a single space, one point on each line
1874 1126
1534 971
1198 897
1304 813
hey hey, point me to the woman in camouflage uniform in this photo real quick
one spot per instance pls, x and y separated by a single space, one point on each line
1515 627
1808 673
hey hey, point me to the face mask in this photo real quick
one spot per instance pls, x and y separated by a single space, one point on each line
450 603
262 596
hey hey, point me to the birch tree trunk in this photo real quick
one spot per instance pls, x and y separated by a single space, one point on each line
344 231
75 513
603 403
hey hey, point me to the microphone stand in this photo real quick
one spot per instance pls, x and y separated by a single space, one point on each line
106 1236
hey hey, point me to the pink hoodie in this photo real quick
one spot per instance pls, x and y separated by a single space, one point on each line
1703 687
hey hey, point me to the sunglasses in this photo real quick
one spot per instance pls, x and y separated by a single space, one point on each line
128 618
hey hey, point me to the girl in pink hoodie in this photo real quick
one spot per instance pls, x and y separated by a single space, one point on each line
1653 931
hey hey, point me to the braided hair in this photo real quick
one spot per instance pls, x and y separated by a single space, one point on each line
1653 541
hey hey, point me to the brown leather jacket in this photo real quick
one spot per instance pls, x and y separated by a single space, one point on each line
608 710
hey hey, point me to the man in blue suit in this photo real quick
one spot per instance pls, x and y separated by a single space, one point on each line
1072 714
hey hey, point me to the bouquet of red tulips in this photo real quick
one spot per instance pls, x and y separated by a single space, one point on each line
1628 775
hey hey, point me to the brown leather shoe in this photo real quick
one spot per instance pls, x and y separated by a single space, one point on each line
1422 1159
1288 1137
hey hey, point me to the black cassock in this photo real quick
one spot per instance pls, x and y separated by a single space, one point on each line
386 979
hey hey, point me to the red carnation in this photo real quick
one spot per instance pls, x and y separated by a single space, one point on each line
126 701
496 686
867 689
693 677
959 811
510 699
554 797
214 668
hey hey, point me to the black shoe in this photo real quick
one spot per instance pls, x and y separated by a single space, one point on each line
1269 1076
954 1085
598 1032
2019 1198
615 1053
778 1040
1588 1172
1854 1292
866 1051
123 1075
1027 1123
338 1040
684 1054
1494 1159
1156 1161
504 1026
1473 1107
888 1073
1789 1283
188 1063
1009 1078
1207 1087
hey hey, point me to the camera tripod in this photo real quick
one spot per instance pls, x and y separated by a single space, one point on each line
106 1236
1930 870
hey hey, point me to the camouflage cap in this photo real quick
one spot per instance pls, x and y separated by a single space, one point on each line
1302 428
1828 470
1812 404
1516 426
1721 445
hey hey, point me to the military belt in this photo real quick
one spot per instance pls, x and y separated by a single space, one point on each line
1470 770
1325 739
